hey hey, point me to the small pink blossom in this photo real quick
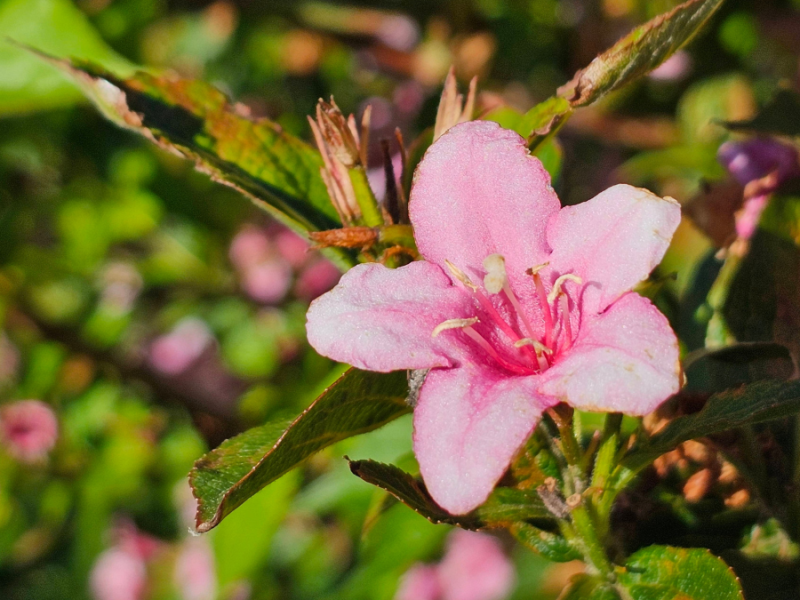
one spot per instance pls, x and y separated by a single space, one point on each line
518 305
195 575
316 279
474 567
176 351
118 575
292 248
249 247
268 281
28 429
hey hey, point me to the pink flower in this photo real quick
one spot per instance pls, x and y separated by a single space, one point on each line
317 278
473 568
518 305
28 429
175 352
195 574
118 575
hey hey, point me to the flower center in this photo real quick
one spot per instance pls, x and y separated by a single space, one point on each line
512 342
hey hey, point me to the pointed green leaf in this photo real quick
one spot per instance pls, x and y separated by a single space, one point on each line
550 545
666 573
638 53
504 506
719 369
358 402
781 116
751 404
589 587
276 170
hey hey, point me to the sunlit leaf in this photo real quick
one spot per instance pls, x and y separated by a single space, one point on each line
666 573
358 402
639 52
278 171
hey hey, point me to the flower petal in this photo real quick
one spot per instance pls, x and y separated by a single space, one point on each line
612 241
478 192
468 424
624 360
382 319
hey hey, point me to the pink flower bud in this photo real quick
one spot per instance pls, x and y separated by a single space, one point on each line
174 352
268 282
28 429
292 248
421 582
195 576
118 575
249 247
316 279
475 568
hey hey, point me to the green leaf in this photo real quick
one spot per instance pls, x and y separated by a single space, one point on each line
410 491
589 587
751 404
667 573
55 26
278 171
543 119
504 505
638 53
550 545
780 116
358 402
736 365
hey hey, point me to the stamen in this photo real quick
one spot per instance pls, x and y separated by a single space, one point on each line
496 278
564 301
559 284
481 341
453 324
540 350
543 303
460 275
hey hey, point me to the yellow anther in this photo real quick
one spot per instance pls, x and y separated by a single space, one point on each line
537 345
453 324
460 275
495 279
559 284
537 268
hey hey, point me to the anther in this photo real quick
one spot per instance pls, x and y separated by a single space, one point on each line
540 350
460 275
453 324
496 278
559 284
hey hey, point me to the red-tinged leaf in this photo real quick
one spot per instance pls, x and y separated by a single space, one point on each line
278 171
358 402
638 53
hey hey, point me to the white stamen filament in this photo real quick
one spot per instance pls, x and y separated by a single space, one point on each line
559 284
453 324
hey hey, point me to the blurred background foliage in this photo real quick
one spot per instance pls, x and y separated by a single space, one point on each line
158 313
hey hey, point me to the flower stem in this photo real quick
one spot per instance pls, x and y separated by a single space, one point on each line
370 211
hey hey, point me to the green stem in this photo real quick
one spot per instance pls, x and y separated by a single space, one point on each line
370 211
593 548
